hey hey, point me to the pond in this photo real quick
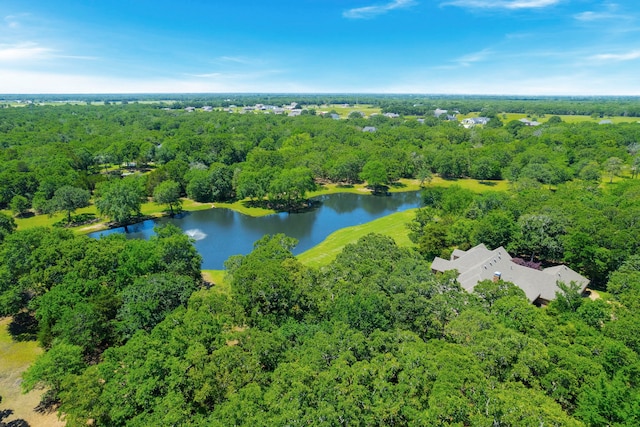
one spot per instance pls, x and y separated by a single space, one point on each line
220 233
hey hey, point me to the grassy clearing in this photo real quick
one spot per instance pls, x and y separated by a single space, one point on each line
414 185
393 225
507 117
15 358
345 111
217 277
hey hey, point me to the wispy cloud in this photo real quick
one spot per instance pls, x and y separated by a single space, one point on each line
13 22
30 51
466 60
626 56
368 12
608 14
590 16
470 58
235 59
502 4
22 52
236 76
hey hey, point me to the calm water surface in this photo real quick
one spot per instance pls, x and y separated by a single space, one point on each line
220 233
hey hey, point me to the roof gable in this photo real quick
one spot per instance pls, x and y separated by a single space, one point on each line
480 263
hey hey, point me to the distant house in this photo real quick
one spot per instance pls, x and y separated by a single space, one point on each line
190 109
530 122
391 115
207 108
294 113
438 112
369 129
605 122
335 116
480 263
474 121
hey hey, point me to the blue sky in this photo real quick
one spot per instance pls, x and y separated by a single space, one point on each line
519 47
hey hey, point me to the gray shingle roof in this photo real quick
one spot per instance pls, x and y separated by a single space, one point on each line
480 263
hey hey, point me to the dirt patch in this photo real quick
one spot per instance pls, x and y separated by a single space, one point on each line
15 358
593 295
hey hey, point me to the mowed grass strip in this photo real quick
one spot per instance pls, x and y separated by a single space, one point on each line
15 358
217 278
394 225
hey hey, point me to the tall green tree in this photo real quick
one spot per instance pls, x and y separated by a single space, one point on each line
68 199
7 225
19 205
376 175
121 200
539 235
168 193
613 167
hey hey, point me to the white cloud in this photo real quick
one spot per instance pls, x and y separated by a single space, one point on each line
611 12
27 82
233 77
502 4
592 16
235 59
375 10
627 56
23 52
470 58
30 52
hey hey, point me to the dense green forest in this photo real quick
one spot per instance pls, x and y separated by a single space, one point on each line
134 336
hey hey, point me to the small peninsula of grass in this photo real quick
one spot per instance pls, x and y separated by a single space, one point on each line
394 225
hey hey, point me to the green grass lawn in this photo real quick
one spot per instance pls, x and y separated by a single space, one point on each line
507 117
393 225
15 358
217 277
345 111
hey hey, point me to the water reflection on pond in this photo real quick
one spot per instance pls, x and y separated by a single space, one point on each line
220 233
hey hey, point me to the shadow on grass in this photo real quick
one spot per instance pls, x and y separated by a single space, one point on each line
23 327
77 220
15 423
398 184
379 190
344 185
488 183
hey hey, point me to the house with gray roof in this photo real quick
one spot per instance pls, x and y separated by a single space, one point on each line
479 263
474 121
369 129
528 122
438 112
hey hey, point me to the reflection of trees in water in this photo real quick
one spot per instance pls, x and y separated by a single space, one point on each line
377 204
295 225
342 202
372 204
